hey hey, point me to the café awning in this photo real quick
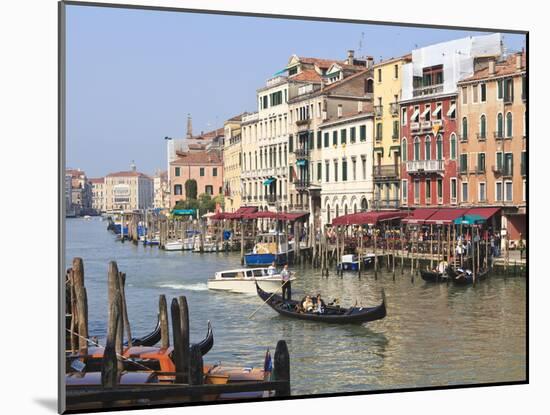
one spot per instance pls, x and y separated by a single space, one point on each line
445 216
419 216
368 218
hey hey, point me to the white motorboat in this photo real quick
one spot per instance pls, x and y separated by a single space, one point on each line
174 245
243 280
209 245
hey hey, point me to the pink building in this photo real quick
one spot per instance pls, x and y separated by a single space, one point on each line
206 168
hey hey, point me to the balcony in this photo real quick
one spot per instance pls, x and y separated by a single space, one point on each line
508 99
303 125
301 153
425 166
378 111
415 126
440 124
386 171
498 135
428 90
394 108
425 125
271 199
481 136
386 203
275 81
301 185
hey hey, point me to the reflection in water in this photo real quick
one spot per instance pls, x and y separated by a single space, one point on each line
433 335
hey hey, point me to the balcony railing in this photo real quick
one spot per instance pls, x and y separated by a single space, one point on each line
425 125
378 110
271 199
386 171
481 136
394 108
508 99
415 126
386 203
301 152
425 166
301 184
499 135
428 90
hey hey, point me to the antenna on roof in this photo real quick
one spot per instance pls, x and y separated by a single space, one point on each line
361 40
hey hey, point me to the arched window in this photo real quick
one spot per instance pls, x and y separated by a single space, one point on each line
428 148
336 211
482 127
500 125
464 132
364 205
439 147
417 148
345 209
404 149
369 86
328 213
509 124
355 208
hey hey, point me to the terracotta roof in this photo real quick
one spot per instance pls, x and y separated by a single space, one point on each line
75 172
346 79
507 67
406 58
308 75
209 134
127 174
199 158
367 109
97 180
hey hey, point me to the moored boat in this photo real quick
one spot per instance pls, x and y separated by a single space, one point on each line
176 245
270 247
350 262
243 280
465 277
331 314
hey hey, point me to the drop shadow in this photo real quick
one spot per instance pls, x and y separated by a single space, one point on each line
48 403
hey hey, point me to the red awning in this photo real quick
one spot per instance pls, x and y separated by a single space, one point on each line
286 216
291 217
485 213
445 216
368 218
219 216
419 215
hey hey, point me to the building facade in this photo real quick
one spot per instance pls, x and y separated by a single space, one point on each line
81 196
493 140
346 166
232 162
387 76
128 190
206 168
161 190
428 110
98 194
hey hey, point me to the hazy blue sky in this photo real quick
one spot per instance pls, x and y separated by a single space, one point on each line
133 75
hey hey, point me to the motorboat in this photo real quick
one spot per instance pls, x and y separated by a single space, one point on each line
243 280
176 245
272 247
350 262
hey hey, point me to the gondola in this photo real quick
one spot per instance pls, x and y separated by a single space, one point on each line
463 278
332 314
434 276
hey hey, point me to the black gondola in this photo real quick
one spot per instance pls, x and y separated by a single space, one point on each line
464 278
338 315
434 276
207 343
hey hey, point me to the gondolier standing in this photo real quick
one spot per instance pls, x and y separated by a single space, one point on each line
285 281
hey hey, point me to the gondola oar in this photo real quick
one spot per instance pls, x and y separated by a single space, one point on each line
268 298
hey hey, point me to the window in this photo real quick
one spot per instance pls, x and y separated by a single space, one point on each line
404 149
319 171
464 163
319 139
499 89
177 171
404 190
428 190
439 190
453 146
343 135
276 98
464 191
483 92
209 190
508 90
428 148
335 170
524 190
417 191
453 190
395 71
499 161
439 148
464 128
344 170
363 132
378 131
509 124
508 197
481 162
214 171
201 171
482 194
364 167
353 168
334 137
327 176
523 163
352 135
417 148
464 95
404 116
482 127
379 75
508 164
523 88
452 110
264 102
178 189
290 143
475 95
500 125
395 133
498 192
369 86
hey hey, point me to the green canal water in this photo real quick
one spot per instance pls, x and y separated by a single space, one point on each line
433 334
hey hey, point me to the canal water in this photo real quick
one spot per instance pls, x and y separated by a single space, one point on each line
433 334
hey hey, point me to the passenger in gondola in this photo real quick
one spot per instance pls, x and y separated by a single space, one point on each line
271 270
319 305
307 304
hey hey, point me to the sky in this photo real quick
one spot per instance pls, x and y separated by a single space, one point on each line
134 75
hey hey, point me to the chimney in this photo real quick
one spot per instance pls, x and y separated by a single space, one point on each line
350 56
359 106
189 126
518 61
370 62
339 111
492 64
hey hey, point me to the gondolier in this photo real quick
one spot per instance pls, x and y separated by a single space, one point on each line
285 281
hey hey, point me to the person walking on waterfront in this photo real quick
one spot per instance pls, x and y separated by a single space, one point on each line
285 281
521 246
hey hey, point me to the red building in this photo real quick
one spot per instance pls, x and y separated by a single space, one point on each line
429 150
